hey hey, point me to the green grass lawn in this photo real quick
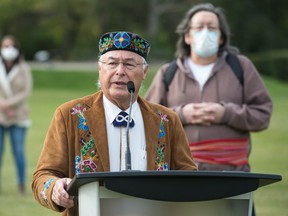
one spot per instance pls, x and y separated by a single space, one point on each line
269 153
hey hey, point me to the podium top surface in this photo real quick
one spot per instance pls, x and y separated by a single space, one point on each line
176 185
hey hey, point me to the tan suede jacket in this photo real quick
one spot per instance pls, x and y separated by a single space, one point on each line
77 134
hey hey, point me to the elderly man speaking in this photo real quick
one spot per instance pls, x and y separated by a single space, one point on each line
88 134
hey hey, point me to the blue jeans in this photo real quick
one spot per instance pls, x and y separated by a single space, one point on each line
17 138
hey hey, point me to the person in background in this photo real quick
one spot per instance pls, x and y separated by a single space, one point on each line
88 134
218 112
15 88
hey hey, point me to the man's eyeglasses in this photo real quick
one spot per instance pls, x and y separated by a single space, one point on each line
127 65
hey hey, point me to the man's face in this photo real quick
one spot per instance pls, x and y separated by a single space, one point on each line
118 67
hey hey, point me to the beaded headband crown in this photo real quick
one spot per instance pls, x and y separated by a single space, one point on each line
123 41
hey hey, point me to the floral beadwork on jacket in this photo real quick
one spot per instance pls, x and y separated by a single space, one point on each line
46 187
79 110
86 162
160 163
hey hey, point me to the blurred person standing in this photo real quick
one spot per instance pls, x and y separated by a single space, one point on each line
217 92
15 88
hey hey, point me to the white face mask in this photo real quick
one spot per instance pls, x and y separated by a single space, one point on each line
205 42
9 53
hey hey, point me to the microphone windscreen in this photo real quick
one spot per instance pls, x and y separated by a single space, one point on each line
131 86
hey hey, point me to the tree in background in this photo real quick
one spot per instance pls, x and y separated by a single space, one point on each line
70 29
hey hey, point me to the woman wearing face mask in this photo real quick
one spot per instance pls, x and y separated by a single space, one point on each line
15 87
217 109
218 112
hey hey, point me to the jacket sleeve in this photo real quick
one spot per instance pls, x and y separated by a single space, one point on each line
180 146
52 163
255 112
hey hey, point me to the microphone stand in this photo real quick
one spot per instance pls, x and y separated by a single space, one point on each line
128 152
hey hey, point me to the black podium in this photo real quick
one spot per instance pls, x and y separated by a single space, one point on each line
167 193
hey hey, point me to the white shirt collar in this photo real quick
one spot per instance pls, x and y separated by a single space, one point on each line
112 110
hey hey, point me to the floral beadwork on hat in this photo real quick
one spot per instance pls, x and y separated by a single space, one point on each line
124 41
121 40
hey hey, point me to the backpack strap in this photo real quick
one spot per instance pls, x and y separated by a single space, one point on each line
231 59
169 74
234 63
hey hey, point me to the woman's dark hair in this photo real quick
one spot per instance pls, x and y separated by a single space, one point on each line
183 49
16 45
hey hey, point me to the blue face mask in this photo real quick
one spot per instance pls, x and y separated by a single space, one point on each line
205 42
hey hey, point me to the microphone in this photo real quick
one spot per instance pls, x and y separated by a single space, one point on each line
131 87
131 90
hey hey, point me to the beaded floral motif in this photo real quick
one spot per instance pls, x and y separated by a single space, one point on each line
106 43
138 45
86 162
46 187
121 40
160 163
86 165
86 146
78 110
124 40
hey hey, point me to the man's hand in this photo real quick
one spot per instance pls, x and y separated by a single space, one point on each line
60 195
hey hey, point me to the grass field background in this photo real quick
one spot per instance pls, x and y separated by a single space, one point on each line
52 88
